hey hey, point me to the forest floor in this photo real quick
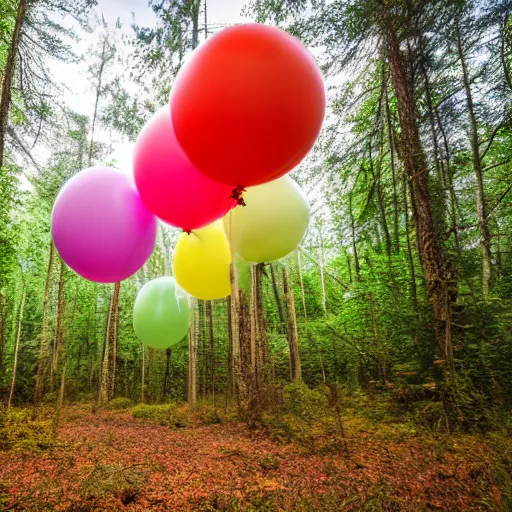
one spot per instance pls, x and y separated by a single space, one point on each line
110 460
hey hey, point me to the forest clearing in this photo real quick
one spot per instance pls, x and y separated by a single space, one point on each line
256 255
202 460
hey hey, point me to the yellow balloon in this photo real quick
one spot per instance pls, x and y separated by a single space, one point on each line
202 261
273 222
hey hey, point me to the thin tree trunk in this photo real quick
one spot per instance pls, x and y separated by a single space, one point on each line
143 376
396 228
293 335
410 257
276 295
353 232
104 60
59 323
211 339
235 332
481 207
322 274
43 357
108 367
301 281
16 349
3 318
192 357
60 398
8 76
168 354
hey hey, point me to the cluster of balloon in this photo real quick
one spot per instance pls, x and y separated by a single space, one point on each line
245 109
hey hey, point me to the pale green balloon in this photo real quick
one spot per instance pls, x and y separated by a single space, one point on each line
161 314
273 222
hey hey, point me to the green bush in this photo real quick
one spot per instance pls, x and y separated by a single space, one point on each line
119 403
304 402
19 431
167 415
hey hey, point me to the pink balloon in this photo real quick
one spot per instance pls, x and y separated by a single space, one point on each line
169 185
100 226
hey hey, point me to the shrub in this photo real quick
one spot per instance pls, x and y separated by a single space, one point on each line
119 403
167 415
304 402
19 431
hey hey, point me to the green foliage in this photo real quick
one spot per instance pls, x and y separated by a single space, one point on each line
19 431
169 415
119 403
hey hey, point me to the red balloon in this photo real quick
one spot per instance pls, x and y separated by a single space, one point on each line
169 185
248 105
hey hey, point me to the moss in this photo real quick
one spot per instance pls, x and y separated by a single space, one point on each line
118 404
168 415
19 431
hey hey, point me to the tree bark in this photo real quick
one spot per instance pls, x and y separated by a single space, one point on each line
481 207
276 294
293 335
441 283
8 76
16 349
168 355
108 366
44 355
211 339
322 275
192 357
353 232
59 323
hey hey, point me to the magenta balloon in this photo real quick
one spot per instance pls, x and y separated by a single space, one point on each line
100 226
169 185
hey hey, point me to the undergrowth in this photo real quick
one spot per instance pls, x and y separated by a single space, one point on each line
21 431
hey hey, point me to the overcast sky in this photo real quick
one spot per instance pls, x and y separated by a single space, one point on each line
79 95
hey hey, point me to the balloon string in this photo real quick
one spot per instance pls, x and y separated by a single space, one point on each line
237 195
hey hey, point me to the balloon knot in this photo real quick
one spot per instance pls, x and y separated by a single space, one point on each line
237 195
188 231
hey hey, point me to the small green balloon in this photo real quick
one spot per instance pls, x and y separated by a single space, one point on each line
161 314
273 222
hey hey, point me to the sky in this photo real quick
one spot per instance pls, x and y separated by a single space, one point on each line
79 95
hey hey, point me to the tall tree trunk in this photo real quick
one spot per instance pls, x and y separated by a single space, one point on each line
276 295
44 354
59 323
322 274
410 257
193 339
3 318
168 354
396 228
16 349
382 359
441 284
143 375
293 335
353 233
301 281
108 366
104 59
481 207
60 398
211 340
8 76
